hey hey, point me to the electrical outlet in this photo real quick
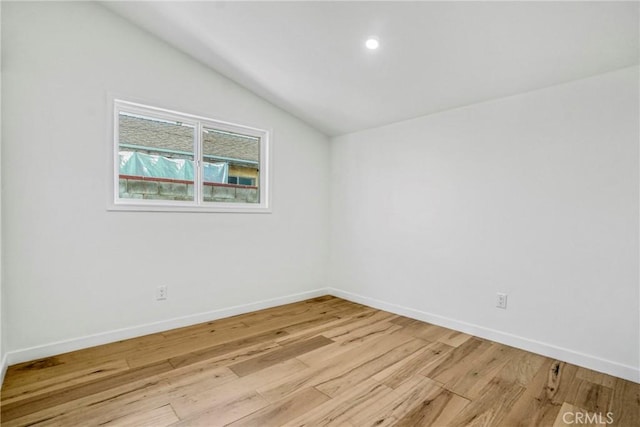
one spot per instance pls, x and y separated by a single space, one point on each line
161 293
501 300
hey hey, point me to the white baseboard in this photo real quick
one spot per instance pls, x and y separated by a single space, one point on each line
3 368
630 373
55 348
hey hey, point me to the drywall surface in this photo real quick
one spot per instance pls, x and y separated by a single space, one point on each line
2 322
73 269
534 195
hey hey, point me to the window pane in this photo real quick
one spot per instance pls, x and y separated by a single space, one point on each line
246 181
234 161
156 158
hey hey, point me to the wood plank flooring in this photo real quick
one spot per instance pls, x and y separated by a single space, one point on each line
323 361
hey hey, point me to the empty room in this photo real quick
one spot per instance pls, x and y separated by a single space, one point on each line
350 213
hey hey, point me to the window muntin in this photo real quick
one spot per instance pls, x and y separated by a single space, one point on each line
165 160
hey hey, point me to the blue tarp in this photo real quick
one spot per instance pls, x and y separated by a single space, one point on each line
155 166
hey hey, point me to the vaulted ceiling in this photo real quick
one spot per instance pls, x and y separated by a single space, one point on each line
309 58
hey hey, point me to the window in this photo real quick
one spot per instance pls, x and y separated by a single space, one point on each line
242 180
166 161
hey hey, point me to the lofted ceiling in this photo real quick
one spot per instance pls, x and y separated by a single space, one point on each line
309 58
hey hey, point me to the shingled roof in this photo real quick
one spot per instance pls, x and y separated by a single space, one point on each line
175 136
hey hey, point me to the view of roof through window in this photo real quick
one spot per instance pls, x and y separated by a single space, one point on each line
156 150
176 136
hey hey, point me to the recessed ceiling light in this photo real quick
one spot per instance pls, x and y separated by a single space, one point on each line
372 43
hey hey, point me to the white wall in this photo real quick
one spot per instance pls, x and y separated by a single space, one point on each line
73 269
2 322
535 195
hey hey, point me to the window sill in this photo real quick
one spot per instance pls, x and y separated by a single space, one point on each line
213 208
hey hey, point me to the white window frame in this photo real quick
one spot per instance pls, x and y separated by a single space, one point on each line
197 205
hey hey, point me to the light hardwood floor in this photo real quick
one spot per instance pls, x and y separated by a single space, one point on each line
324 361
